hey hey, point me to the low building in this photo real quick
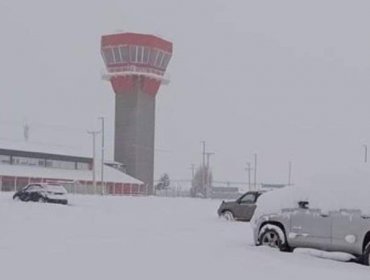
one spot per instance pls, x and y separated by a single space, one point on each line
24 164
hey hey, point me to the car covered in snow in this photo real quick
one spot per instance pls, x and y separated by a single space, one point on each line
326 219
241 209
51 193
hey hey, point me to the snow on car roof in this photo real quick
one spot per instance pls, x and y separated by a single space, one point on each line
328 192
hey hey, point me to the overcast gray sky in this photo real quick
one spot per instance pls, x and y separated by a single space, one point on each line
286 79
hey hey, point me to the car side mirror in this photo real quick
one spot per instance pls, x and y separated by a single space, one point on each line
303 204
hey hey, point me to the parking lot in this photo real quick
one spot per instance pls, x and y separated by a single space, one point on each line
145 238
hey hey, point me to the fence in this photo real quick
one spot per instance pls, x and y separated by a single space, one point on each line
13 184
107 188
179 188
219 190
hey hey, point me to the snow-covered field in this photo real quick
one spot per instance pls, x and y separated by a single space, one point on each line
144 238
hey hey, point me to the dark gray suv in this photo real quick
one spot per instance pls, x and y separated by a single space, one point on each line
241 209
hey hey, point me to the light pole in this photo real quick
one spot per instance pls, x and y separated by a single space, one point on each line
249 169
102 156
255 171
365 152
93 134
290 174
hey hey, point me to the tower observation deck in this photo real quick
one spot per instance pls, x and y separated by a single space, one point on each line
135 66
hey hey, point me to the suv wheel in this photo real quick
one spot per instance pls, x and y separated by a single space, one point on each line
41 199
228 215
366 255
273 236
270 238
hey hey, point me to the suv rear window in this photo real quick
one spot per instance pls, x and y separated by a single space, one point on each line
56 188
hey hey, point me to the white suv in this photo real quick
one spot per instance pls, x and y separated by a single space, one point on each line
43 192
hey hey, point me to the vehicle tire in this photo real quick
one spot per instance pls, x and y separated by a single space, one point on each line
228 215
272 238
16 197
366 255
41 199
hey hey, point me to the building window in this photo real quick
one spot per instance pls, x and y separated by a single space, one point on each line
28 161
4 159
117 56
124 54
83 166
61 164
108 56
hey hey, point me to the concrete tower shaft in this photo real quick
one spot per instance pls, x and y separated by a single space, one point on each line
136 66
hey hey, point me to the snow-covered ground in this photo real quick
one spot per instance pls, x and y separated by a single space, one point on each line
144 238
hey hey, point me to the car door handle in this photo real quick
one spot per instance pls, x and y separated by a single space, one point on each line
324 215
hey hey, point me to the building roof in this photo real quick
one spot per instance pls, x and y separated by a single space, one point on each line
45 148
44 155
136 39
111 175
34 149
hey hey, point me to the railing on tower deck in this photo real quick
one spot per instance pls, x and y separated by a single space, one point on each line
136 70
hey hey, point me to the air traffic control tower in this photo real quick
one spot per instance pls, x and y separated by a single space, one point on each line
135 66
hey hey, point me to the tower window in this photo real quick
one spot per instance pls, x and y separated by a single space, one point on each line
153 57
108 56
159 59
133 54
117 56
124 54
140 54
146 55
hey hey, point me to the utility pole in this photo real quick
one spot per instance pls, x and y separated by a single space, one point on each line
365 153
290 174
102 156
203 162
192 167
249 169
255 171
26 132
208 154
93 134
